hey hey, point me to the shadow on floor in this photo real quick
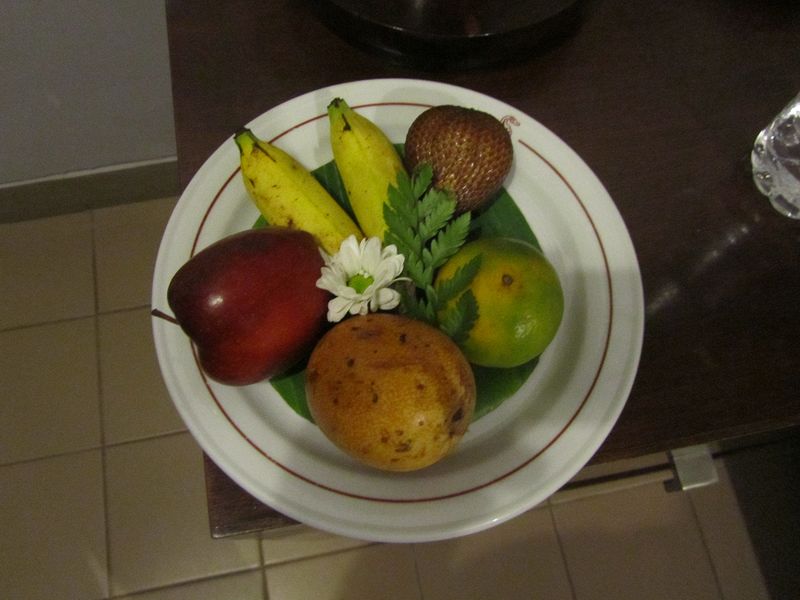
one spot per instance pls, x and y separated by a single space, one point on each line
767 483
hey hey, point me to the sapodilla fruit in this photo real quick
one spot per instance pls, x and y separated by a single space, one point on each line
469 151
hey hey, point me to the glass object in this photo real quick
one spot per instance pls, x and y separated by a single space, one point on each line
776 160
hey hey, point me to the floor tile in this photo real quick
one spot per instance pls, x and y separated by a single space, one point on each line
136 403
728 541
377 571
126 245
241 586
50 400
158 519
303 542
51 515
517 559
46 270
641 542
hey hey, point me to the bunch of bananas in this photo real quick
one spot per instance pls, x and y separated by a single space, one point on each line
287 194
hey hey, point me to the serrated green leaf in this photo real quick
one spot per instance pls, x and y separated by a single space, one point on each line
421 179
415 269
427 276
401 206
405 184
426 257
458 319
419 220
432 296
470 312
447 289
407 242
435 211
418 308
449 240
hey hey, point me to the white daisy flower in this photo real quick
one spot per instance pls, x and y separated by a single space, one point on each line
359 276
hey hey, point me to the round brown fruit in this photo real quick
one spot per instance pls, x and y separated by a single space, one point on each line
392 392
469 150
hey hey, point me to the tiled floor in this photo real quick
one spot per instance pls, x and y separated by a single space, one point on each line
101 487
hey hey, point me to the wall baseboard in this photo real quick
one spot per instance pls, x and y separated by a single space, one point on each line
50 197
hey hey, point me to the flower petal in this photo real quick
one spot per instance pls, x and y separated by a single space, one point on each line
388 270
368 259
370 254
329 280
337 309
349 256
359 308
387 298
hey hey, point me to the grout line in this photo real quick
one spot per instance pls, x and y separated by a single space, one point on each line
180 584
96 293
26 461
562 552
52 322
106 528
581 484
92 448
264 589
416 572
155 436
326 553
101 413
112 311
699 526
125 309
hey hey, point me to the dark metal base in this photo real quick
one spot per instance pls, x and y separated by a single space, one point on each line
452 34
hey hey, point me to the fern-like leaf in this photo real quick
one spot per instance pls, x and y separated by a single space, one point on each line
448 289
458 320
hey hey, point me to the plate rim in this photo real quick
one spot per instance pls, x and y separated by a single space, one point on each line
626 381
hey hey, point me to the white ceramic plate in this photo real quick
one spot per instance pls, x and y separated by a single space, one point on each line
511 459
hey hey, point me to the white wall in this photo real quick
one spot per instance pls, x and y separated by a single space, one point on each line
83 84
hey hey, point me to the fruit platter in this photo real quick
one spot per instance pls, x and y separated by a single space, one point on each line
397 310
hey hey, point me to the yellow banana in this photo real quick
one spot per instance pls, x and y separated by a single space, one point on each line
288 195
367 162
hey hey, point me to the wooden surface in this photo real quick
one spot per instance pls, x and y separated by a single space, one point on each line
663 101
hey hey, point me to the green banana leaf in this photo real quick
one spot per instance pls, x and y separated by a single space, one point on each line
502 219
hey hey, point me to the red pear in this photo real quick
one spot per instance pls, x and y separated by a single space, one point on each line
250 303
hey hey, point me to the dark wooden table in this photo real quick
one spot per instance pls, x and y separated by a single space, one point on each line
663 100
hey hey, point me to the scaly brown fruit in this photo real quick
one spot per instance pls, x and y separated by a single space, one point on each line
469 150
